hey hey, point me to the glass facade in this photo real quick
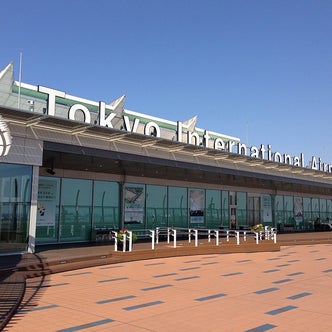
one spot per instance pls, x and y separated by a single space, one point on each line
68 210
15 197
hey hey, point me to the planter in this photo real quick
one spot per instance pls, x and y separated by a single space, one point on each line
120 246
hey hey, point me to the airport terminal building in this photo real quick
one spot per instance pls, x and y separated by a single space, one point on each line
71 166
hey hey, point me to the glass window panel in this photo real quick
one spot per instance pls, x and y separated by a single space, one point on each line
156 206
307 216
47 225
279 211
289 209
242 210
329 208
298 213
106 207
315 208
15 196
213 208
225 209
177 207
323 212
76 210
266 202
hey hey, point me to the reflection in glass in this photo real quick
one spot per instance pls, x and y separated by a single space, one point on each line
213 209
177 207
106 207
15 193
76 210
156 206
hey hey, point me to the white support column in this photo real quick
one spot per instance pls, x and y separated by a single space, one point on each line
209 235
189 235
31 240
174 237
227 235
168 234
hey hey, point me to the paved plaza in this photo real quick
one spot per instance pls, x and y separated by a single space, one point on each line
287 290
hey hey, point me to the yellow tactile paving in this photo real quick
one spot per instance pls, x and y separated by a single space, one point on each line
288 290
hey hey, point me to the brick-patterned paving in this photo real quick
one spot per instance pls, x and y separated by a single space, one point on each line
286 290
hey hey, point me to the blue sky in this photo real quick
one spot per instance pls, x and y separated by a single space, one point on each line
259 70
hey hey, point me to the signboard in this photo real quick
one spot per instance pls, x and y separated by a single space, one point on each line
46 208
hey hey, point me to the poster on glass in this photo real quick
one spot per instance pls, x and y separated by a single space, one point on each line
196 206
133 204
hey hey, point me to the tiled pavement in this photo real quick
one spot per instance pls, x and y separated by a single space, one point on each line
286 290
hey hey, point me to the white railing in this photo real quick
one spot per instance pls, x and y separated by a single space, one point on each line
172 233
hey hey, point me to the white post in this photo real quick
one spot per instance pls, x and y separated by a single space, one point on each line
152 237
124 241
227 236
237 237
130 240
257 237
168 234
217 237
157 235
275 237
189 235
209 235
174 236
245 236
196 237
115 240
267 233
